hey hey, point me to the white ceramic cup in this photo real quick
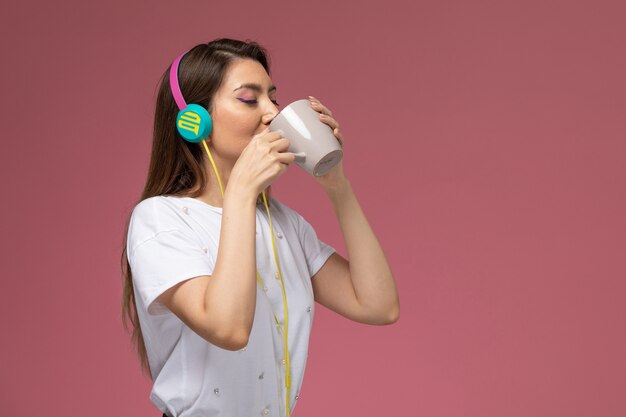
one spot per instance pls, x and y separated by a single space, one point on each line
313 141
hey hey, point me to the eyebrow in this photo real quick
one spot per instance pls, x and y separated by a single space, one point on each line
255 87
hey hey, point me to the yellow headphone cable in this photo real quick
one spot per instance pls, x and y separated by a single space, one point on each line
260 281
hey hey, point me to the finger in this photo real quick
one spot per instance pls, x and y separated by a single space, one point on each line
339 136
318 106
300 156
286 157
271 136
261 133
329 121
280 145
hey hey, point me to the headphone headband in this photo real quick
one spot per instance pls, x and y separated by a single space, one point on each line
178 95
193 121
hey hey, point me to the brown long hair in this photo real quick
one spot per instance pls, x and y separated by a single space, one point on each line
176 166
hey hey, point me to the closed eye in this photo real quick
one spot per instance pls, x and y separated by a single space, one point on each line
253 102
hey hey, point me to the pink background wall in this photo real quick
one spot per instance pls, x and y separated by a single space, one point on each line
486 142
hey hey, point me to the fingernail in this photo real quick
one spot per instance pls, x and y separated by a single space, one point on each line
311 98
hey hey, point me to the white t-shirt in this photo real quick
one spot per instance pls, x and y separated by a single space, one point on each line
172 239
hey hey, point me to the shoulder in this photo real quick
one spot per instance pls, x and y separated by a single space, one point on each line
292 217
154 215
285 211
160 210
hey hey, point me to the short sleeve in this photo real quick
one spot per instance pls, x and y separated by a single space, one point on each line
315 251
164 260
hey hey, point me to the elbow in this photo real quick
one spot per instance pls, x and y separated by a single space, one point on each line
394 316
382 319
238 341
231 340
233 343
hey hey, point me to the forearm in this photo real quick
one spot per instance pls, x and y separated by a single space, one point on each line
370 272
231 293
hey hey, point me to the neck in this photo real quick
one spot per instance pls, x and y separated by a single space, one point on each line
212 194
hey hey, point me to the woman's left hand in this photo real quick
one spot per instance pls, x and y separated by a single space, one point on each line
335 177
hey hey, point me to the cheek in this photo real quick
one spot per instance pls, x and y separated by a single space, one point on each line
235 123
244 128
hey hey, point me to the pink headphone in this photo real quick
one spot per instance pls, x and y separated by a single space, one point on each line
193 121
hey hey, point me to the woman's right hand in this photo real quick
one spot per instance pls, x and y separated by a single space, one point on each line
263 160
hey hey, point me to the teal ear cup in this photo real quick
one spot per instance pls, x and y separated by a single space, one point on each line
194 123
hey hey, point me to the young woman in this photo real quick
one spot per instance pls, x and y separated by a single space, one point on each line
221 278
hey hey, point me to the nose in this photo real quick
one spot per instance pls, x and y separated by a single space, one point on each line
270 114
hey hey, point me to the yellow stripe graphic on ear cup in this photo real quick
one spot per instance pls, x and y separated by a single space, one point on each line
189 121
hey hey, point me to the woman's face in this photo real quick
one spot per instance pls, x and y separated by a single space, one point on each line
243 106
